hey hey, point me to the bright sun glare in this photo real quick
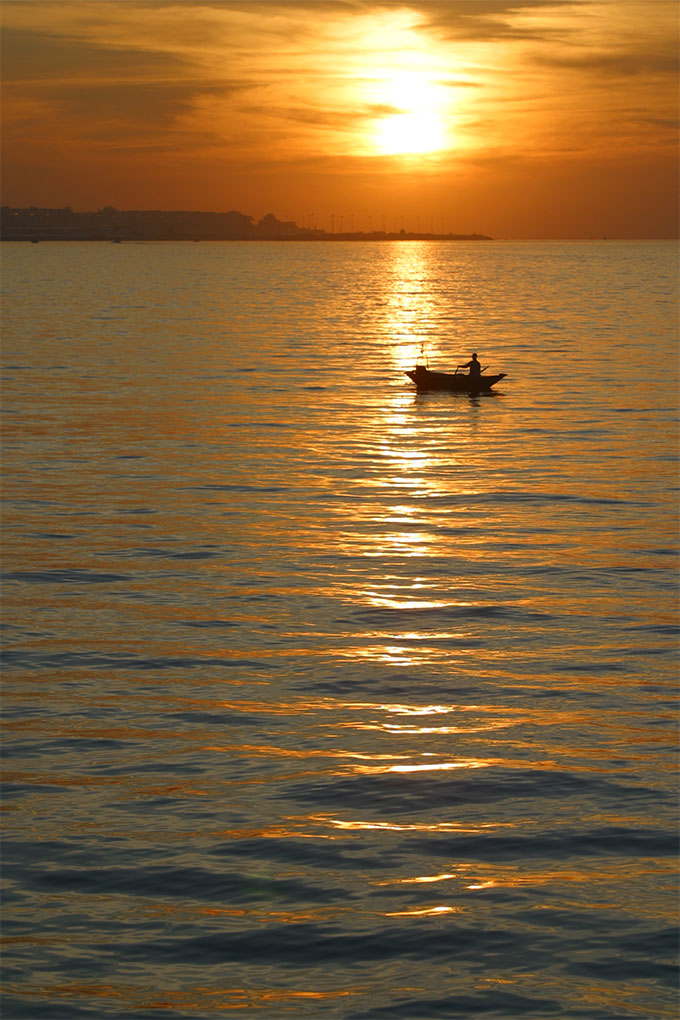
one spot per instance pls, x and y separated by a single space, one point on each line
418 123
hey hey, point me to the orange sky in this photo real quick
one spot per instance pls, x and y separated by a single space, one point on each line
515 118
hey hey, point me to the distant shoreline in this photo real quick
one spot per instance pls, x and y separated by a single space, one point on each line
38 237
116 225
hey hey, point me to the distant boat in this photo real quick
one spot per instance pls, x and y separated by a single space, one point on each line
453 382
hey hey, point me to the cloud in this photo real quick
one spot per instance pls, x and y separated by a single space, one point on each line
91 89
324 116
617 64
157 104
481 20
34 56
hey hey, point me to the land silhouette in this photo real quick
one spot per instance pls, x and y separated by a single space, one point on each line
109 224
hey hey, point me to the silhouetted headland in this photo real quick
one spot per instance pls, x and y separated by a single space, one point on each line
109 224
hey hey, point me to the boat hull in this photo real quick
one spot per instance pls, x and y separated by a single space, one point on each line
459 383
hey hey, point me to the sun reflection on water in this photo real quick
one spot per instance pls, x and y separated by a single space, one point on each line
425 911
413 304
441 826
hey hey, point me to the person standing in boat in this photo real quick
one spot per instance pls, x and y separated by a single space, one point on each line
474 366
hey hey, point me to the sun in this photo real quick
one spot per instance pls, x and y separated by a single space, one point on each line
417 120
410 133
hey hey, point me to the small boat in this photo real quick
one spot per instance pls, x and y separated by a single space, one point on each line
453 382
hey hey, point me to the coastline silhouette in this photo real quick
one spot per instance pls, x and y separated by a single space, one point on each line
110 224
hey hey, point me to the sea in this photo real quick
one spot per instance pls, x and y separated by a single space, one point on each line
325 698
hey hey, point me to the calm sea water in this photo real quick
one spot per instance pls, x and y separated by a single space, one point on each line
324 699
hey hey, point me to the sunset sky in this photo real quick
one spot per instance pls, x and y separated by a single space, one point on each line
515 118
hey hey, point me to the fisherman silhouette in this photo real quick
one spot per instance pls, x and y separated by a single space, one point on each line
474 366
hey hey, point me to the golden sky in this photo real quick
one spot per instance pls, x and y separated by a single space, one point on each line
515 118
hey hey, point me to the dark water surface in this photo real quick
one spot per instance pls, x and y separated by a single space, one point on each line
324 699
